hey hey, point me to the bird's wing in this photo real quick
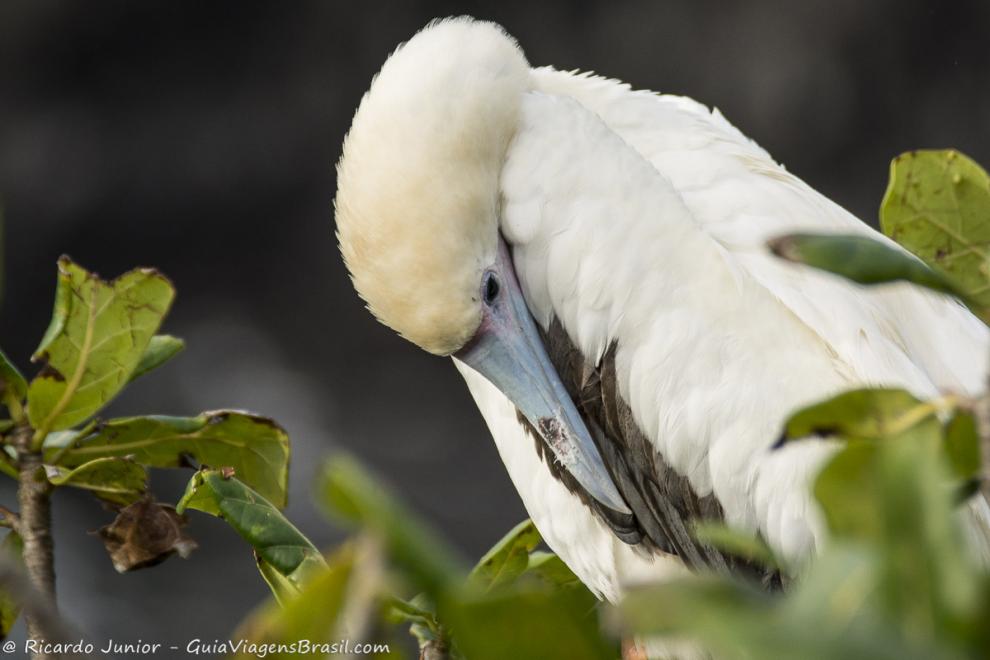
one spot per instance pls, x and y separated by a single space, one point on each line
664 504
895 335
642 219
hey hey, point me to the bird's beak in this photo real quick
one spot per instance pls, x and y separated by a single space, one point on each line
508 351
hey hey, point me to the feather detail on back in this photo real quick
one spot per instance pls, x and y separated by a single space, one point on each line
641 220
892 335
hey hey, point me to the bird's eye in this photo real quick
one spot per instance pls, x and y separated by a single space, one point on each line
491 288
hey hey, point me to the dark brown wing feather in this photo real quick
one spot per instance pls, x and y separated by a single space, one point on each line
664 506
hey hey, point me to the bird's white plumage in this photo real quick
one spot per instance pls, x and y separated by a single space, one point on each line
642 219
603 562
639 220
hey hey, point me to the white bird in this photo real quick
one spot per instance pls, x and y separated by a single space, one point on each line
593 258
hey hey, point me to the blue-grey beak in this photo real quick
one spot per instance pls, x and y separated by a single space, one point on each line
508 351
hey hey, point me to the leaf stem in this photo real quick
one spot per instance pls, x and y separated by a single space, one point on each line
34 497
14 406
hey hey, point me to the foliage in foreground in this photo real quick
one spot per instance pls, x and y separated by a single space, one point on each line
897 578
101 337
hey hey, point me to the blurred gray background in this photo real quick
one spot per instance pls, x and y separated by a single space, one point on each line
200 138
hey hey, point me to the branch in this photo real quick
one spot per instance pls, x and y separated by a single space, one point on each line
35 527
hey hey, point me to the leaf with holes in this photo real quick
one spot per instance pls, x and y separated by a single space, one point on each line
145 534
275 540
117 480
255 447
98 333
937 205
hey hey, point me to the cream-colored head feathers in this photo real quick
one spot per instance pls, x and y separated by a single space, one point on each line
417 185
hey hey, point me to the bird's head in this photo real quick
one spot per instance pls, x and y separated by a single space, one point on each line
417 186
417 211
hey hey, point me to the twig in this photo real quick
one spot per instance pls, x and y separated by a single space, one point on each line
34 497
434 650
10 519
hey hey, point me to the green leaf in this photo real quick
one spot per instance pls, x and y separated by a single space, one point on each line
283 589
98 333
892 496
552 571
10 607
8 458
962 446
420 613
117 480
715 608
861 259
348 492
937 205
528 624
508 558
847 491
746 546
319 612
161 349
822 619
12 383
275 540
864 414
255 447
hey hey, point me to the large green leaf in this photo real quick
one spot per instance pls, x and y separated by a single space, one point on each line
892 495
115 479
10 607
98 333
864 414
508 558
937 205
255 447
822 619
161 349
275 540
350 493
860 259
525 623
